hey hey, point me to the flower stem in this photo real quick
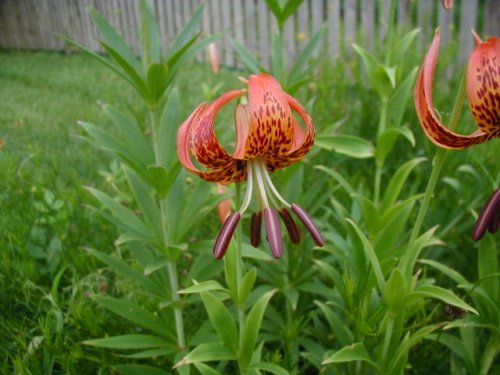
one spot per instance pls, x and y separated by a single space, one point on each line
438 164
171 265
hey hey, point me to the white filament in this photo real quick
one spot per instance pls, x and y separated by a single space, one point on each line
248 193
260 183
263 171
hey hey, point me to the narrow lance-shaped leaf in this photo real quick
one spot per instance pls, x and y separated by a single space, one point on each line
222 320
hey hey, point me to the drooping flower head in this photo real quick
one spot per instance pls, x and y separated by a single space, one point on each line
268 137
483 91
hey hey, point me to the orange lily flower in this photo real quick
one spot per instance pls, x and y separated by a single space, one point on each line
268 138
483 91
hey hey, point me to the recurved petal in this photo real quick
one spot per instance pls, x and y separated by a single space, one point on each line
270 119
432 126
302 142
483 86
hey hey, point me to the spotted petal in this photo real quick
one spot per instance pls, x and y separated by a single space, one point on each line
483 86
197 136
270 127
429 120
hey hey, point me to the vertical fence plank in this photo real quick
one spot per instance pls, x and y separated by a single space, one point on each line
263 25
228 30
467 22
492 18
368 24
403 12
302 25
239 26
333 22
289 40
445 25
349 23
424 20
384 14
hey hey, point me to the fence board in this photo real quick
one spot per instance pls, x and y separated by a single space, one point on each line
468 21
31 24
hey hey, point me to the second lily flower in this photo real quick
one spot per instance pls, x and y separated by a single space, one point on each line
268 138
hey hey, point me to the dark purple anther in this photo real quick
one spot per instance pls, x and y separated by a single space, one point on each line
273 231
255 227
309 224
292 229
488 218
225 235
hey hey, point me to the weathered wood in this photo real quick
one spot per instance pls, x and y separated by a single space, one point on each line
32 24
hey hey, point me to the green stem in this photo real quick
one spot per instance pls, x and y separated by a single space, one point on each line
438 164
388 335
171 265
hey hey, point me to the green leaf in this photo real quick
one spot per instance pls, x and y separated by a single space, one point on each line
410 256
157 78
114 40
152 353
134 74
167 132
352 353
133 137
161 179
124 216
337 325
186 34
369 60
125 270
300 64
451 273
397 182
246 285
150 34
487 263
205 369
207 352
268 367
349 145
445 295
136 341
399 360
277 58
147 204
252 327
370 255
400 49
395 291
397 102
135 314
139 370
247 57
205 286
230 264
386 140
106 62
221 320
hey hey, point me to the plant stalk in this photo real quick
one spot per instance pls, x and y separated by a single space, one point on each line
378 166
171 265
437 164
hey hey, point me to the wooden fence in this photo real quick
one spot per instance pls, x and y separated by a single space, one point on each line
32 24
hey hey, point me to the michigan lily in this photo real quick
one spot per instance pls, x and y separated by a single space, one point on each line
268 137
483 91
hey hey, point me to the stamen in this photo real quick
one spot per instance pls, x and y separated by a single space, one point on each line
225 235
264 172
309 224
260 183
292 229
487 217
273 231
248 193
255 227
